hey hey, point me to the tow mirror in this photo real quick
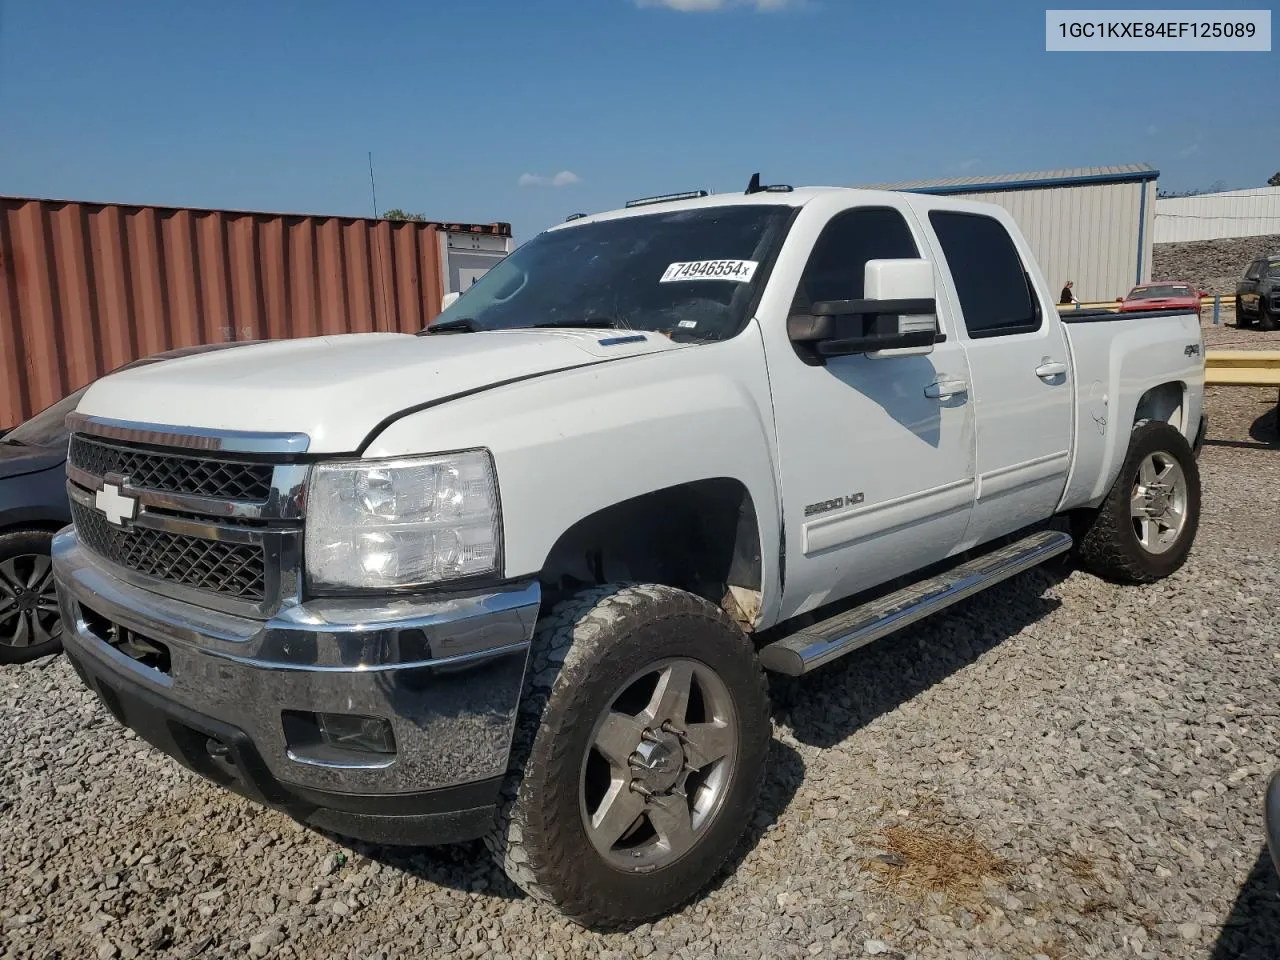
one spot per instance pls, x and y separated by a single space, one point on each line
898 317
447 300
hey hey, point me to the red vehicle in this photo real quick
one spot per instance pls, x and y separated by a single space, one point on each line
1162 296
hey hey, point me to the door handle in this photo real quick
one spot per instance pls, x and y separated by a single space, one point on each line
1049 369
944 388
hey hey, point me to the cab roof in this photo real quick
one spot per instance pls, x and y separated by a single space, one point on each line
792 198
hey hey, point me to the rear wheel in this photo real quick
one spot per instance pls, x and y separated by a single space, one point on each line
30 626
1144 529
638 756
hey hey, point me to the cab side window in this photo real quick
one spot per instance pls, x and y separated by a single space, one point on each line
837 265
991 282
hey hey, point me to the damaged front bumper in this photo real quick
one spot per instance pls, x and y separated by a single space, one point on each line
388 721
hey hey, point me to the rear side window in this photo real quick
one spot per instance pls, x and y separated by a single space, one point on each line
837 266
994 291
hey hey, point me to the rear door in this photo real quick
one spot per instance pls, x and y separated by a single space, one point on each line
1021 385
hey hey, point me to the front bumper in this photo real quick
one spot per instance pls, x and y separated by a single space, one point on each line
444 673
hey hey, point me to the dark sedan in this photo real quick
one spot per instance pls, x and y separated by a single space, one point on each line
33 507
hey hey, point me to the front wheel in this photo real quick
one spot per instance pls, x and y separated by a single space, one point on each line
1144 529
1266 319
638 756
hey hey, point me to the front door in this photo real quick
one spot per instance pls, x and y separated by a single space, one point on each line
1021 369
876 474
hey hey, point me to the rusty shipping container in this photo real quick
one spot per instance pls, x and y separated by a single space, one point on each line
86 287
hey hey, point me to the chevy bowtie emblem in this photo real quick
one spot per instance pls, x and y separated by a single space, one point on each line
115 506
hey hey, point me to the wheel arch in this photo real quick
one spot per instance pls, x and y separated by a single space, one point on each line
702 536
1166 402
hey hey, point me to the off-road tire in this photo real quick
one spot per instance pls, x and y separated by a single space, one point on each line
1266 319
20 543
1106 542
581 653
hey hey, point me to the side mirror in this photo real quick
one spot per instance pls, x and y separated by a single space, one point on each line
1119 299
898 317
447 300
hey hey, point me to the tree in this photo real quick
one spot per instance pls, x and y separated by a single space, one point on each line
395 213
1274 181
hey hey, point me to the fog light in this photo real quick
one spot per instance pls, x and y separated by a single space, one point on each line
338 739
352 732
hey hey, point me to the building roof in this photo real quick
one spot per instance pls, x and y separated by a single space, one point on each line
1123 173
501 229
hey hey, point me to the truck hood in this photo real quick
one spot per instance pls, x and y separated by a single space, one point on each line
338 389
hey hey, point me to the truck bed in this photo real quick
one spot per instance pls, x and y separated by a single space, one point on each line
1122 360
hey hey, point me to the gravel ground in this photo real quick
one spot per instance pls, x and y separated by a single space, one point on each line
1059 769
1214 265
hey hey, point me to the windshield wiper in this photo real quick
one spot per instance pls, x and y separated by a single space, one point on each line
596 323
453 325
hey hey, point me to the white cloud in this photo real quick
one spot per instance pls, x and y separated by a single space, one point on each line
565 178
710 6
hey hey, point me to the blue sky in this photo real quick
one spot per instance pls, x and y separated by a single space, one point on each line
473 109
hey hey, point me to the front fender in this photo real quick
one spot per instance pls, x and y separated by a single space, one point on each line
575 442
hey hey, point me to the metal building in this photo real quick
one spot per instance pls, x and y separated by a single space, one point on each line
1092 225
1215 216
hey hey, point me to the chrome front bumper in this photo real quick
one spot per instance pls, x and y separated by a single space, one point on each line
446 673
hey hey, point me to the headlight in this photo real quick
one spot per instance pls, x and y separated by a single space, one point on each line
402 522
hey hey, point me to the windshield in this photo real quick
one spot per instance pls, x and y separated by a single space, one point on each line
1273 268
689 273
1160 290
46 428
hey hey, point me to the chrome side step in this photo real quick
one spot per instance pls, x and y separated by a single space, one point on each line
812 646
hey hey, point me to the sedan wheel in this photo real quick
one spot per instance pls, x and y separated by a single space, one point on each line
30 625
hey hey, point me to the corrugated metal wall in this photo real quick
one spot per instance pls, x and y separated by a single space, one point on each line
1090 234
1215 216
87 287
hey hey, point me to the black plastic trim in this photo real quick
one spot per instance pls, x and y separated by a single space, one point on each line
1111 316
846 308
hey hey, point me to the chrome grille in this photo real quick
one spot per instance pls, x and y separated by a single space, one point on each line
236 570
172 472
211 521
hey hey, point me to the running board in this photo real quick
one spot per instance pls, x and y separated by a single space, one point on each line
812 646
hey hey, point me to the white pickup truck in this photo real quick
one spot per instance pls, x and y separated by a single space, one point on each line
521 576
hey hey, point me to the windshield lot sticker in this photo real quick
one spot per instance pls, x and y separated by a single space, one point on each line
740 271
687 324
